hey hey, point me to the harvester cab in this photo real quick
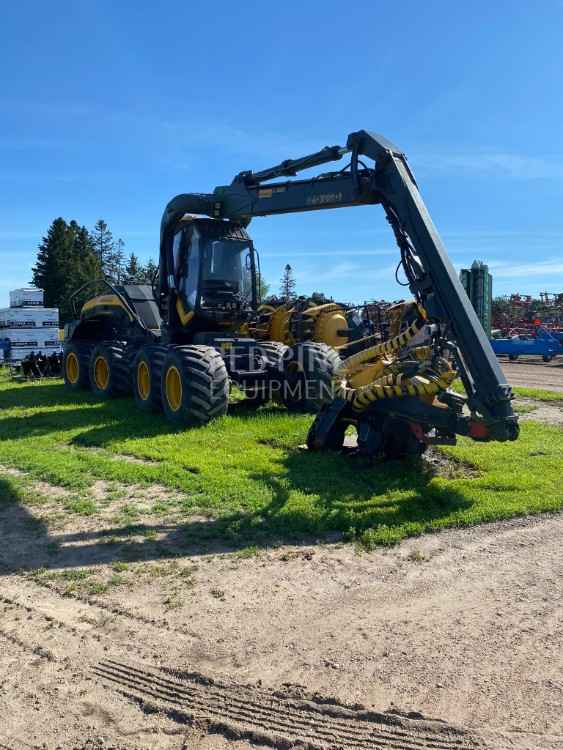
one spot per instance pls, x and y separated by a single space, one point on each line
211 267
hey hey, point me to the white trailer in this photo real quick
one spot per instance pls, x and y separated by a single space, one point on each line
28 317
26 297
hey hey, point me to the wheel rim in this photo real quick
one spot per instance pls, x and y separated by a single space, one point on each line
143 380
72 368
173 388
101 372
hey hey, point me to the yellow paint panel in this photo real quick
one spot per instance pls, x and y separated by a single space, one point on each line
104 300
184 315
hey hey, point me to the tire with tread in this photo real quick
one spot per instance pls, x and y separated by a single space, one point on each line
275 352
76 362
148 362
117 380
194 385
308 377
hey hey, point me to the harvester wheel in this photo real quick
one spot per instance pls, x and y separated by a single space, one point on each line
308 377
194 385
146 377
76 359
400 442
275 355
109 370
334 441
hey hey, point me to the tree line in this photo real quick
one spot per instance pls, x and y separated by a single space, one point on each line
70 255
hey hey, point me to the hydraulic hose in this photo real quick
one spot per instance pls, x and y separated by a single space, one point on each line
431 377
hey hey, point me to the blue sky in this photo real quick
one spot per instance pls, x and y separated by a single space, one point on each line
108 109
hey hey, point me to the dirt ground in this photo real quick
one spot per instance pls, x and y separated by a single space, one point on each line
533 372
316 646
452 640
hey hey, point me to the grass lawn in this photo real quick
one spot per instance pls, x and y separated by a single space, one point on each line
247 474
538 394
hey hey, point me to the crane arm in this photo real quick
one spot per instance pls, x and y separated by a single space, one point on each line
431 275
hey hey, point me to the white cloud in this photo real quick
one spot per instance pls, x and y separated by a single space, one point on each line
507 270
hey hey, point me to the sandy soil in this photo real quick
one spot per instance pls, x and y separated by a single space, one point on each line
534 372
550 412
297 645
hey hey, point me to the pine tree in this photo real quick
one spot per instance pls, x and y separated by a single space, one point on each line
85 266
149 271
102 240
66 260
54 257
287 286
114 264
319 298
133 270
111 254
263 288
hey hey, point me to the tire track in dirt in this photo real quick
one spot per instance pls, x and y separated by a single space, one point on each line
161 623
25 645
81 613
276 718
236 712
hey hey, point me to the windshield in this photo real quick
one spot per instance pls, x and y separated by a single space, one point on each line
227 264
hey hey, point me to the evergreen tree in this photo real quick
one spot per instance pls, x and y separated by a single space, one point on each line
110 253
66 260
102 240
114 264
53 260
133 271
287 286
319 298
85 266
149 271
263 288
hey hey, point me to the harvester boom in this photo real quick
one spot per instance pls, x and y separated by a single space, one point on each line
431 276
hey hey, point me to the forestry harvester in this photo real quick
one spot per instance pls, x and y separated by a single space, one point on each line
178 344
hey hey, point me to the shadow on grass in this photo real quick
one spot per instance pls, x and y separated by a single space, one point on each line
33 394
315 497
109 421
27 544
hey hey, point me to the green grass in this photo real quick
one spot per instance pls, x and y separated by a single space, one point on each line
525 408
537 394
250 484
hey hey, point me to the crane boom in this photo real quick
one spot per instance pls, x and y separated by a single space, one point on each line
431 275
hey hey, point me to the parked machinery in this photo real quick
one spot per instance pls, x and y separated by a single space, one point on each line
181 359
181 345
541 342
331 323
